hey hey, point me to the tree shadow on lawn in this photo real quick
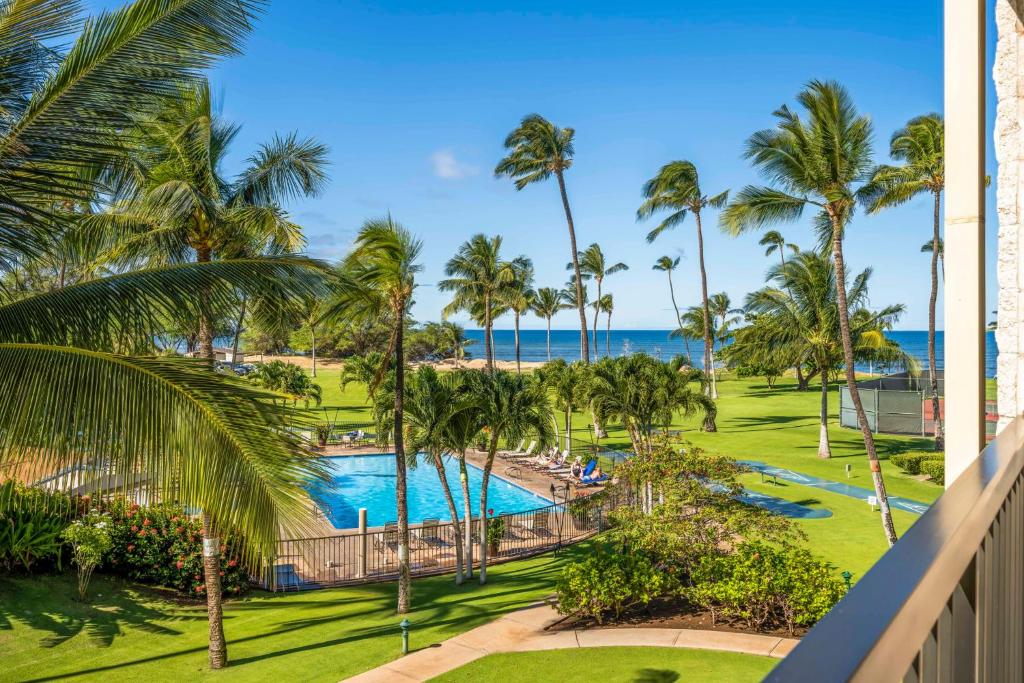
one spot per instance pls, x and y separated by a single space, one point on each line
656 676
105 616
759 423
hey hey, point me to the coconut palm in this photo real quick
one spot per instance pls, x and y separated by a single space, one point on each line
773 241
432 401
380 276
519 295
607 306
569 293
461 429
512 407
478 278
721 309
538 149
677 189
919 145
928 247
642 393
667 264
594 266
567 384
797 318
547 304
820 160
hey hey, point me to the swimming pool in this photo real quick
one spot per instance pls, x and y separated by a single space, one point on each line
368 481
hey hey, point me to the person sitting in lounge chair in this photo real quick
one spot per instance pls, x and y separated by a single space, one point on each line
576 469
558 462
587 471
595 477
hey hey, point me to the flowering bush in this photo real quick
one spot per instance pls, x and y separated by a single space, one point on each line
162 545
90 539
32 522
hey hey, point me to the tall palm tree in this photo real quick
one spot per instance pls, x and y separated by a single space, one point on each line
512 408
773 241
594 266
721 308
520 295
380 278
567 384
547 304
822 161
677 189
667 264
569 294
461 430
432 401
797 318
478 278
538 149
607 306
919 145
929 247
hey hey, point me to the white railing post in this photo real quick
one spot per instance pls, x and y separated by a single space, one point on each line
361 570
964 234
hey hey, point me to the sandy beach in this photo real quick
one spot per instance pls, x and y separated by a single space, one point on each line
306 363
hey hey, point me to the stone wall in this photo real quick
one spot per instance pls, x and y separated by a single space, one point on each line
1009 145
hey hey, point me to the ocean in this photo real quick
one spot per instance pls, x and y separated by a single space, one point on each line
566 344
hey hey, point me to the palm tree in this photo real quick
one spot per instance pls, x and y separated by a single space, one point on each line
538 149
519 295
643 393
478 278
172 203
667 264
721 308
432 401
928 247
919 145
821 161
380 276
773 241
569 295
512 407
461 430
567 383
797 318
60 126
594 266
547 304
607 306
677 189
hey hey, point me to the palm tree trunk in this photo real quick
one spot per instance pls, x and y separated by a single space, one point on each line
488 351
518 370
492 449
709 363
608 336
312 340
442 476
580 305
940 441
679 318
203 255
238 333
218 648
824 448
851 382
597 312
401 494
549 338
467 506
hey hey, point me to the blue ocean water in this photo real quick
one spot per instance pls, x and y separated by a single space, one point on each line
566 344
368 481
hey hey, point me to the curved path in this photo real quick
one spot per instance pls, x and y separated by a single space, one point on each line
523 630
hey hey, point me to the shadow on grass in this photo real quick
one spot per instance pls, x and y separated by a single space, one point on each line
656 676
767 422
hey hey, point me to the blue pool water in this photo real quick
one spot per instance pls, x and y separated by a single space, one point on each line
368 481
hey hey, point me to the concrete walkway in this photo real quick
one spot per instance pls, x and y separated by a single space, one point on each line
523 631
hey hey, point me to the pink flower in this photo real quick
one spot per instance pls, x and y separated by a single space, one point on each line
179 564
232 563
131 547
146 522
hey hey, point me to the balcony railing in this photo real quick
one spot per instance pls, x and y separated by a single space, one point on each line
946 603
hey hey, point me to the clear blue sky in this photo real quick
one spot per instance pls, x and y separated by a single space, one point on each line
415 101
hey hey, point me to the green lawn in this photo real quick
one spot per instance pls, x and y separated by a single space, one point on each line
124 634
614 664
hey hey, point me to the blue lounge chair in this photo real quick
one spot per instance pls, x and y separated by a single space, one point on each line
587 471
589 480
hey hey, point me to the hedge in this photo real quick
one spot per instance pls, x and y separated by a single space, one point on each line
936 469
911 462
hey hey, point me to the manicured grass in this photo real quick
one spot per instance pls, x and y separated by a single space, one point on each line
612 664
125 633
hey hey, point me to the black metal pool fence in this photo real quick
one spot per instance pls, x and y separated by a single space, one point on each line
354 557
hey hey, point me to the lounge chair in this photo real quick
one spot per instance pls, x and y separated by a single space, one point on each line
539 461
558 465
541 525
515 453
591 480
430 532
388 539
519 458
587 471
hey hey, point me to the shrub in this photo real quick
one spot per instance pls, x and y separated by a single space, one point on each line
608 582
90 540
911 462
936 469
31 523
765 586
163 546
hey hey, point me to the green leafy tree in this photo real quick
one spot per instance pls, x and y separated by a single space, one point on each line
594 266
920 146
820 160
539 149
677 189
519 295
512 407
378 277
547 304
